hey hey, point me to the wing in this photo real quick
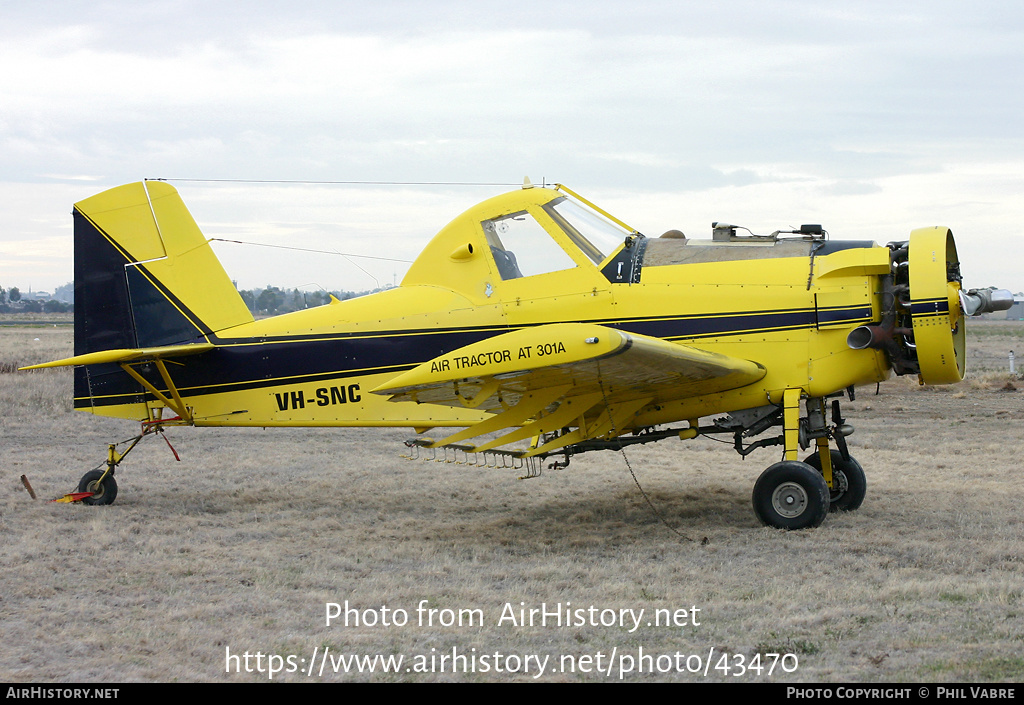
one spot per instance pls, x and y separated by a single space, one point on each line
545 378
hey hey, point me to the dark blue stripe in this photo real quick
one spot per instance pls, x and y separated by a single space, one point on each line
929 307
832 316
715 326
295 360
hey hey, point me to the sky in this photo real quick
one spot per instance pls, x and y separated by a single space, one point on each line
871 118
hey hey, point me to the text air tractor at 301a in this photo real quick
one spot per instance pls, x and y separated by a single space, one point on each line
535 319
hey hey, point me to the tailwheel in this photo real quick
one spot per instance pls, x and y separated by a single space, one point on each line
850 483
791 495
104 489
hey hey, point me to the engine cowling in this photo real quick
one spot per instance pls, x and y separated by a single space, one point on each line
924 309
937 319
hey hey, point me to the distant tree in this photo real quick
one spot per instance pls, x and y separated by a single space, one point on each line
14 294
249 298
65 293
54 306
3 295
317 298
270 300
273 300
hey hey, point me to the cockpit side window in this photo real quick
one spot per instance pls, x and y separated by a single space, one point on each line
522 247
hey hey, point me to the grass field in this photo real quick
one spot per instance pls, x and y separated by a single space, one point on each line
240 547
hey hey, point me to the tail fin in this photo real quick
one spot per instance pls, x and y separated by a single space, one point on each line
144 274
145 278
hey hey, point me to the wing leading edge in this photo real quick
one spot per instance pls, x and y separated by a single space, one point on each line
541 379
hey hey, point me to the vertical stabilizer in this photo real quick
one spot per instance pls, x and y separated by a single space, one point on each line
145 276
144 273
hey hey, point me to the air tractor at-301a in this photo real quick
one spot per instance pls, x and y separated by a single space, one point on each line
537 321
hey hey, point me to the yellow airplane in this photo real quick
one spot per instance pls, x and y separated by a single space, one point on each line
534 317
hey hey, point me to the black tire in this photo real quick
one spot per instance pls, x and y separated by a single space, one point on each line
103 493
848 477
791 495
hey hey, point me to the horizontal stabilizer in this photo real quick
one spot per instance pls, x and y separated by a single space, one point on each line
125 355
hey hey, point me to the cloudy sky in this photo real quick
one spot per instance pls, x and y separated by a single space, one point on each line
872 118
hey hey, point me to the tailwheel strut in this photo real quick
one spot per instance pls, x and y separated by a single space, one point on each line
98 486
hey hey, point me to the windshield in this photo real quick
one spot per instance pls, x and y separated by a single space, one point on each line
594 234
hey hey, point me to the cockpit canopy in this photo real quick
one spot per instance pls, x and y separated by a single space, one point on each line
526 233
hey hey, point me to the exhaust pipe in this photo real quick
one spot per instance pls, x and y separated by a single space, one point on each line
875 336
870 336
882 335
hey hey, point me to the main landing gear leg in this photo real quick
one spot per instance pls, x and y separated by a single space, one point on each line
849 485
791 494
798 495
843 474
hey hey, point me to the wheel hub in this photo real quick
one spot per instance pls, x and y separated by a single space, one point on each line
789 499
839 484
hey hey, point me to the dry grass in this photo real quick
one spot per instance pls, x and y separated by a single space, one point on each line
241 545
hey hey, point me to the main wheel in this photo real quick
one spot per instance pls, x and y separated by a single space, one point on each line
791 495
848 477
102 492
